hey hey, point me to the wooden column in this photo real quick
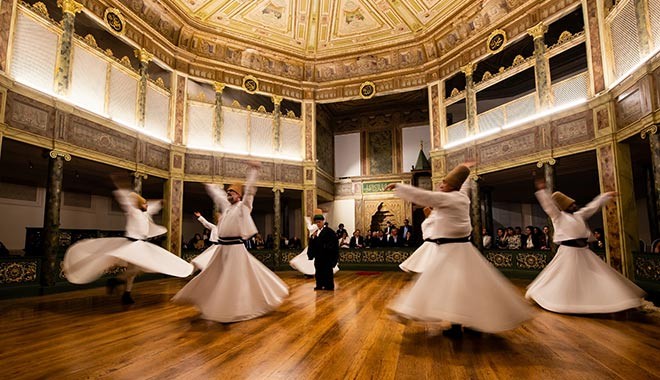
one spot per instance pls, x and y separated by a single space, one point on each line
487 193
592 28
172 207
63 63
277 217
643 24
51 233
7 9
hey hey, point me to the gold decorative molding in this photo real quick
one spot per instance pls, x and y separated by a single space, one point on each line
565 36
650 130
278 188
140 175
126 62
550 161
487 75
261 109
518 60
468 69
160 83
277 100
538 31
40 8
367 90
250 84
70 6
58 153
109 52
201 97
496 41
115 20
454 92
143 55
91 41
235 103
290 113
218 87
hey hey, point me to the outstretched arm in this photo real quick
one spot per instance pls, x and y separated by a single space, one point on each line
124 199
592 207
219 196
419 196
250 189
204 222
545 199
154 206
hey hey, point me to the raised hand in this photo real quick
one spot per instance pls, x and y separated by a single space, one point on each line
389 187
539 182
197 214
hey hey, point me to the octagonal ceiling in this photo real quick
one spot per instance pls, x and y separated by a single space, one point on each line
322 28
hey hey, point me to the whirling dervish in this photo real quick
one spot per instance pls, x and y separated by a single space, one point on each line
459 285
87 260
234 286
577 280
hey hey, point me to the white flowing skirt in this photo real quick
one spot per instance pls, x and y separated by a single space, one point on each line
87 260
304 265
420 259
578 281
461 286
235 286
202 260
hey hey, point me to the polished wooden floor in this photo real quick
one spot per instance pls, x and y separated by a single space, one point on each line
314 335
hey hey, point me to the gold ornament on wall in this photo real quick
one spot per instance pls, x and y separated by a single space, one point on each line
367 90
250 84
115 20
496 41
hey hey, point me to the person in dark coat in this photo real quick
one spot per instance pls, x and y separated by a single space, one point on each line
324 250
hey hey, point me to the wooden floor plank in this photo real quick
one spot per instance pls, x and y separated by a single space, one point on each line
317 335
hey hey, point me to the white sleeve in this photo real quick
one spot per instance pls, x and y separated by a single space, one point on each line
250 189
124 199
420 196
154 206
206 223
592 207
219 196
548 205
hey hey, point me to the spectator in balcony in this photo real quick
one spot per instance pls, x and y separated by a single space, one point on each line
408 240
529 240
196 242
341 230
599 240
487 240
344 240
546 238
405 229
655 247
3 250
357 241
512 239
500 239
388 229
270 243
394 240
259 241
577 280
295 243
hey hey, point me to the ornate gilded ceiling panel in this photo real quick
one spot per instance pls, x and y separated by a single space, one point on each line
322 28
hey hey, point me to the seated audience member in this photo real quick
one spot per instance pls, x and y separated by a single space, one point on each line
284 241
655 248
270 242
196 242
341 230
295 243
500 239
407 240
259 241
486 238
357 241
547 238
393 240
404 229
599 240
529 240
344 241
512 239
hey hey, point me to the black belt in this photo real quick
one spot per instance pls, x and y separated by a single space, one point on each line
134 239
230 240
214 242
577 243
441 241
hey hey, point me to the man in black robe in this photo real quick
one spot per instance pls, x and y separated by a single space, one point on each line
324 250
